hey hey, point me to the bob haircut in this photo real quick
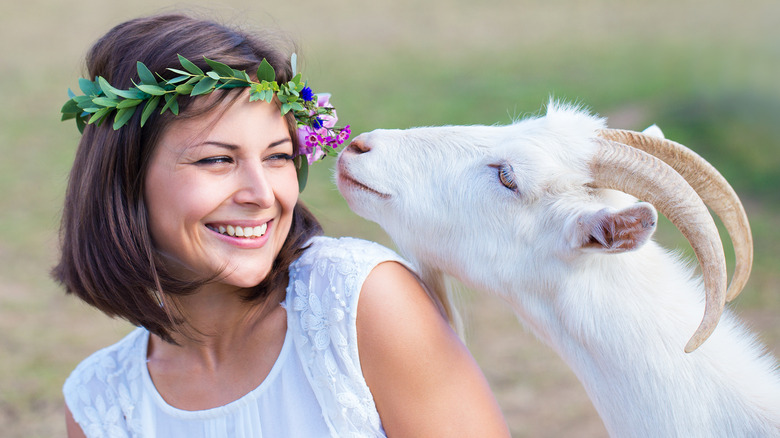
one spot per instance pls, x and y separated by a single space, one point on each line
108 258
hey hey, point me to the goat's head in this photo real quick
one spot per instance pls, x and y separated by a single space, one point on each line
479 201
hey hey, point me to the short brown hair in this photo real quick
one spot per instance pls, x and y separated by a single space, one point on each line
107 255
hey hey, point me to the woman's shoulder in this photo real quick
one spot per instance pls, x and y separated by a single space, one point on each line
114 356
346 251
107 372
322 300
334 269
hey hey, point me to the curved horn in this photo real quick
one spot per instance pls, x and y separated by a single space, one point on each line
713 189
630 170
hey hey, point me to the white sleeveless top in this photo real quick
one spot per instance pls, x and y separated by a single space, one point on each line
315 388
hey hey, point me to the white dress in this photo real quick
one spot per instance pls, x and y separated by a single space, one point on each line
315 388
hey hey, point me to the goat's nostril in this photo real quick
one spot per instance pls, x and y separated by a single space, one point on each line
358 147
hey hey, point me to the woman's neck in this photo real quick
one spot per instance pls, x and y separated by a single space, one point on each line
220 322
231 349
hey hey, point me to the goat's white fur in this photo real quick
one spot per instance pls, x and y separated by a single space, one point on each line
619 318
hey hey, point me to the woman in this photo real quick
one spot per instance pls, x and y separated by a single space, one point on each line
187 223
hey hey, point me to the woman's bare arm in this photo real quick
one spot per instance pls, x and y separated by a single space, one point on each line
424 381
73 428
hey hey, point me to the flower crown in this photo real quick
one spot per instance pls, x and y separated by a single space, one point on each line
316 117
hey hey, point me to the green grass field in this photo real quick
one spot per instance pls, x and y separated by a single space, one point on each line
706 72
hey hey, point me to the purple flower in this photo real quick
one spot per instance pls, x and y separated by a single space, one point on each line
312 140
318 131
344 134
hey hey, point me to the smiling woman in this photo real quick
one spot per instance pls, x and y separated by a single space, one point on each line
238 175
187 223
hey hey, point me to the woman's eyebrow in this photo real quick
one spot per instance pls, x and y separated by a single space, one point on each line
228 146
280 142
233 147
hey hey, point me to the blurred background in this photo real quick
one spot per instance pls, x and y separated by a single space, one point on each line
707 72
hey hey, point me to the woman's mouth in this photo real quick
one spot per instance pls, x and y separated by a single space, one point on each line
247 232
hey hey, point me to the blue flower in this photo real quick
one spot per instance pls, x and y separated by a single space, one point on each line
316 123
307 94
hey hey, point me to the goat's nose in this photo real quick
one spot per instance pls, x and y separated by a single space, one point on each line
358 147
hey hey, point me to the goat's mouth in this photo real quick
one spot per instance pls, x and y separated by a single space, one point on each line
347 181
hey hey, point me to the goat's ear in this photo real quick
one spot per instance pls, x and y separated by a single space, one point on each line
615 231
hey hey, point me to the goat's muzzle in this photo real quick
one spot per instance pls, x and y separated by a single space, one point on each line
357 147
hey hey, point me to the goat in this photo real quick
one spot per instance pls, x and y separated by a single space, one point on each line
544 213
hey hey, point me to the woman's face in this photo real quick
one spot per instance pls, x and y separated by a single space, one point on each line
220 192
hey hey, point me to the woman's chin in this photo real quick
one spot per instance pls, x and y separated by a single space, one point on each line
245 281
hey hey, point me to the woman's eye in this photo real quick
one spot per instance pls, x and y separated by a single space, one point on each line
506 174
280 157
215 160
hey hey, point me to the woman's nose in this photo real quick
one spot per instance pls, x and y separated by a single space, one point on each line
254 187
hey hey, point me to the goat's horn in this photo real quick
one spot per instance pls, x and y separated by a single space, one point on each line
713 189
630 170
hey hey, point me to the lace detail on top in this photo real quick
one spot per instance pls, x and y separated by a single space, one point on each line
103 390
322 299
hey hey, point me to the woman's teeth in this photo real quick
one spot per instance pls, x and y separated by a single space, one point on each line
239 231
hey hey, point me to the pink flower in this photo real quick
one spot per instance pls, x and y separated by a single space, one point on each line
344 134
310 143
328 120
321 132
315 155
303 134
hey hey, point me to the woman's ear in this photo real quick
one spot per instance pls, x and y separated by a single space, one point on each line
615 231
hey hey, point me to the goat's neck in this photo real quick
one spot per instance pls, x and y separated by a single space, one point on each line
621 323
437 285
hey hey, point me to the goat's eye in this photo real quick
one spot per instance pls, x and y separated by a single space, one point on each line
506 174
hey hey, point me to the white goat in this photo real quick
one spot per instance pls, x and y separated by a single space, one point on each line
528 212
